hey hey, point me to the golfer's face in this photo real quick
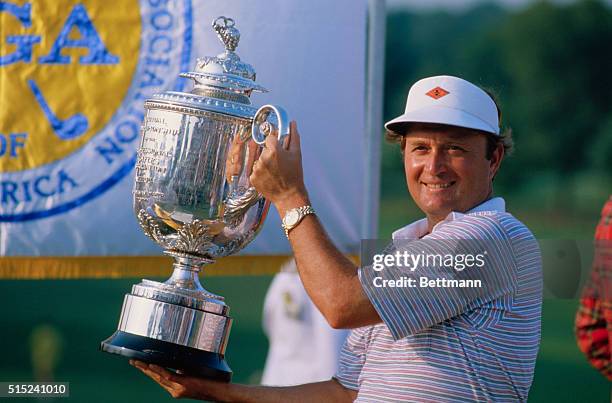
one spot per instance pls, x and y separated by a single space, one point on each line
447 171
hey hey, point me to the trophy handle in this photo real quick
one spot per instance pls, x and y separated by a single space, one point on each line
262 127
268 119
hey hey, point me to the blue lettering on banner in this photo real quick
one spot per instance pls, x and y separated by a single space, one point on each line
26 191
161 20
163 39
127 131
157 3
11 143
157 62
23 43
38 188
98 54
114 145
8 191
151 79
17 143
43 186
22 13
108 148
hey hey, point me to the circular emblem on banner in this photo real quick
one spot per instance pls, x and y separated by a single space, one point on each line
74 75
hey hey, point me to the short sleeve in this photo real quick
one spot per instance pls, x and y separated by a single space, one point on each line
352 358
407 306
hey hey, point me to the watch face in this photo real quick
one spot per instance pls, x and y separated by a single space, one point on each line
291 218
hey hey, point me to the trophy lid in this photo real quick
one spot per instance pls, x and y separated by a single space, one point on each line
225 71
223 83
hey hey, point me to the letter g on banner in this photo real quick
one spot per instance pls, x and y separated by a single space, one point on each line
74 75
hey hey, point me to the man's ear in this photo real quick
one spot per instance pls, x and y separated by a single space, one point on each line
496 159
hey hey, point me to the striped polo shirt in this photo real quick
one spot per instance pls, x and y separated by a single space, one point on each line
443 344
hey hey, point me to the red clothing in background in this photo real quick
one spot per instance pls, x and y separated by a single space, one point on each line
594 317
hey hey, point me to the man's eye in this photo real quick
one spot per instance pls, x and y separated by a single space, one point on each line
419 148
456 148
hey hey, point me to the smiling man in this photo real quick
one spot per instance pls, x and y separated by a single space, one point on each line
448 168
431 343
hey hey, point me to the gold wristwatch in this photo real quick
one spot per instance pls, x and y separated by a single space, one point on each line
294 216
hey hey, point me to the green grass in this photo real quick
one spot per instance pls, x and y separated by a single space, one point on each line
562 372
86 311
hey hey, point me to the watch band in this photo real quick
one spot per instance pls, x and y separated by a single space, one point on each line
302 212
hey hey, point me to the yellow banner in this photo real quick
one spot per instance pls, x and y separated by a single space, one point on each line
39 268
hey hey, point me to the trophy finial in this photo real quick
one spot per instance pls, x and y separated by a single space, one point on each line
225 71
227 33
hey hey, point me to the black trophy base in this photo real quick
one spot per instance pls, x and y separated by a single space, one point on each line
188 360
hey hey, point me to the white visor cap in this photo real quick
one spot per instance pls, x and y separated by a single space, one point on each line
451 101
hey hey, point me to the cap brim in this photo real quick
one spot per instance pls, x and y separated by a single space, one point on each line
440 115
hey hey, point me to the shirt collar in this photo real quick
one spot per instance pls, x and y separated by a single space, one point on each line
418 228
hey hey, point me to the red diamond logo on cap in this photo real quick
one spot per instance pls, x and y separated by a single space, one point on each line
437 93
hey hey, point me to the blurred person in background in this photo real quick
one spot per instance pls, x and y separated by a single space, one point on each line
297 332
419 343
594 317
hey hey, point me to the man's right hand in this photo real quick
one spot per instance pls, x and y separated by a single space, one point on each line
182 386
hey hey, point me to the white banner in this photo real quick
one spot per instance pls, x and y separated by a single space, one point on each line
73 79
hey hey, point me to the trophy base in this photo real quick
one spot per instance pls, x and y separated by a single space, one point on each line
189 361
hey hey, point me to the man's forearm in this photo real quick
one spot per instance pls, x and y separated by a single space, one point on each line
185 386
329 277
328 391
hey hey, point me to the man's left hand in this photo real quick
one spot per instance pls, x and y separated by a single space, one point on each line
278 173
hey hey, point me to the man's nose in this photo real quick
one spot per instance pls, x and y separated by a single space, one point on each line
436 163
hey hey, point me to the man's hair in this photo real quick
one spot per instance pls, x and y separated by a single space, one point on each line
493 140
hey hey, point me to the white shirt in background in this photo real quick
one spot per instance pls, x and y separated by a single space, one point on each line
303 347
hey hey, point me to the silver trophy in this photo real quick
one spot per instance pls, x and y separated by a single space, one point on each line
193 197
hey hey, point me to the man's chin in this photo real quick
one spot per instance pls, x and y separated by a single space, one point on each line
437 212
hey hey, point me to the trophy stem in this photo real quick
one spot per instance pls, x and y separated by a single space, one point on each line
186 269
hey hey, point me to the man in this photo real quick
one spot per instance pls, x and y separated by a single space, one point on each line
419 343
297 332
594 317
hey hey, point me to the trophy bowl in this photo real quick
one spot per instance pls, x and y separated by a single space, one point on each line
193 197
